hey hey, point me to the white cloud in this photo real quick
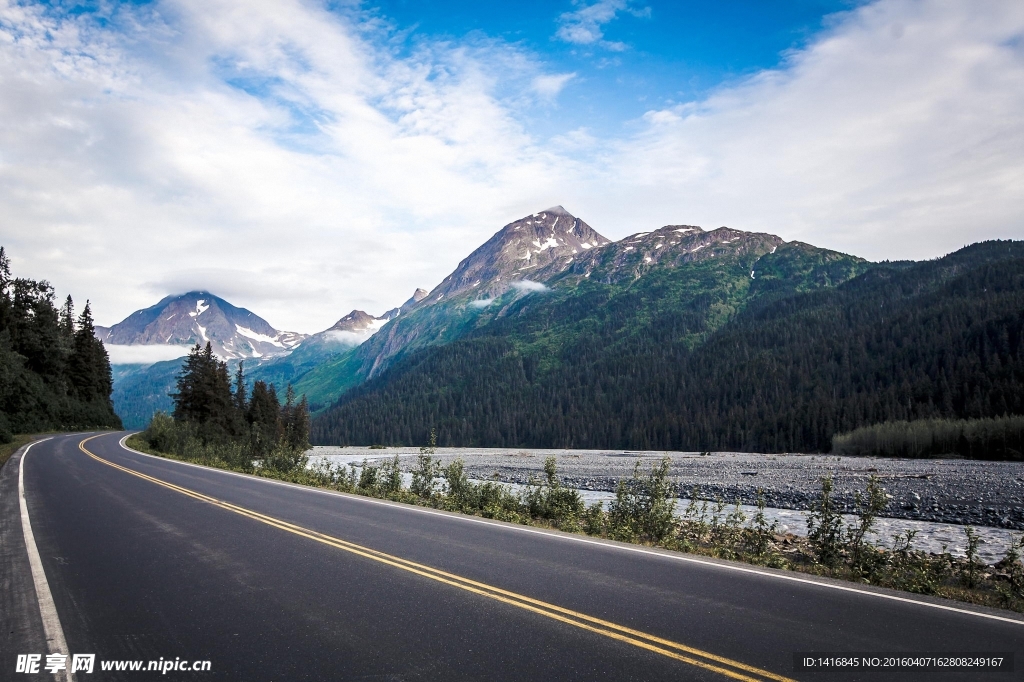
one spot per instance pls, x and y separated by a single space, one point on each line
585 24
144 355
348 338
291 156
529 286
885 143
549 85
273 150
481 302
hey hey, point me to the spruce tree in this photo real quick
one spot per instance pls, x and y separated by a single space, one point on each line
67 324
241 400
5 280
204 395
88 365
264 418
295 417
299 432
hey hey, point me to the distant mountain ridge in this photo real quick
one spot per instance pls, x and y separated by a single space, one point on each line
235 335
670 246
361 323
740 349
545 255
358 321
549 250
200 317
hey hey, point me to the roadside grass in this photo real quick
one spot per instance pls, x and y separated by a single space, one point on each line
8 449
643 512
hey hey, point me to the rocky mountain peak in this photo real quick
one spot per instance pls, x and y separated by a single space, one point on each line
198 317
416 297
519 251
355 321
669 246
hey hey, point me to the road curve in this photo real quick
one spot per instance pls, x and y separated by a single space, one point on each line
148 558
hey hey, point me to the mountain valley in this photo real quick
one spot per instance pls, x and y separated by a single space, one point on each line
551 335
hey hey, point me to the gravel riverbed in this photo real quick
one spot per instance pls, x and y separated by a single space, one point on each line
958 491
933 496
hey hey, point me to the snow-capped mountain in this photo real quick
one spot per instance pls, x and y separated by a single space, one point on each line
198 317
359 321
356 327
518 252
549 249
359 325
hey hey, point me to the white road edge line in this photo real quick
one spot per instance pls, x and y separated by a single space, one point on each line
587 541
47 609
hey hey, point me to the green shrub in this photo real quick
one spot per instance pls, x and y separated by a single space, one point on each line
869 505
427 469
1011 566
913 570
644 506
390 480
460 492
368 477
760 533
825 526
595 520
553 502
969 574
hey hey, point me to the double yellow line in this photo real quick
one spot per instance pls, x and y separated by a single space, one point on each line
680 652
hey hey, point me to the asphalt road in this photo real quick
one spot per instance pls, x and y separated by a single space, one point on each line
276 582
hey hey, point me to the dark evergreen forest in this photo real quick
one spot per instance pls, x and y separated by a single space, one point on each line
213 424
54 373
941 339
205 401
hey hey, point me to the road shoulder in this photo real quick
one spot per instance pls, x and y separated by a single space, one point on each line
21 626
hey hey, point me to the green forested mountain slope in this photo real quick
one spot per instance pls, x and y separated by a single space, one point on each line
557 253
142 390
750 349
54 373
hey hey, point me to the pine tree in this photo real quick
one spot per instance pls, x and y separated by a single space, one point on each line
264 418
67 324
5 280
88 365
240 397
204 395
296 420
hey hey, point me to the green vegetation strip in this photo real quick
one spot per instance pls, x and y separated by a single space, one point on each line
643 512
8 449
1001 438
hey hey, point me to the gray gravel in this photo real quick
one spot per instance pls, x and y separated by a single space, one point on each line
938 490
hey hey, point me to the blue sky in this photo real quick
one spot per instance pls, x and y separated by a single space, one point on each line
303 158
650 53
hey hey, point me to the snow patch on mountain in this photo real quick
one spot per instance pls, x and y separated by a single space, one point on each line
256 336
